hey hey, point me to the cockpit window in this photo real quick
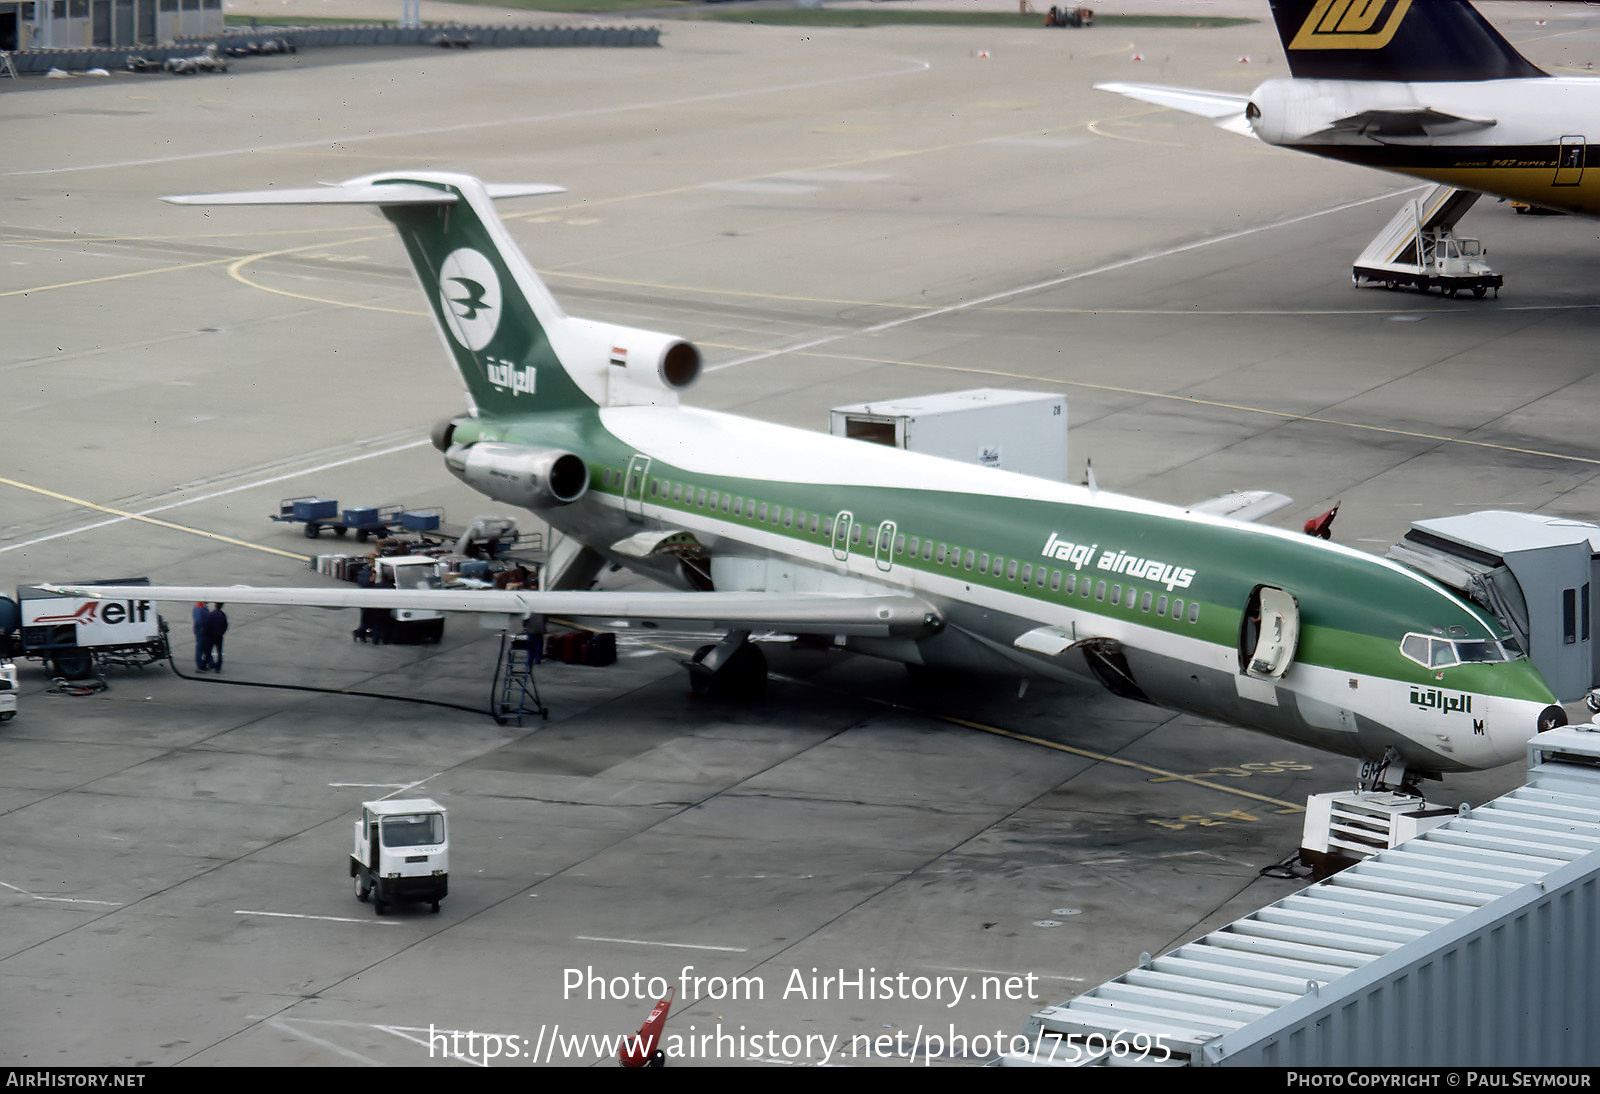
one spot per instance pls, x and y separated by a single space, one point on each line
1434 652
1480 651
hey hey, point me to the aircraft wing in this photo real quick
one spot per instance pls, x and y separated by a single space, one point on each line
1223 108
865 615
1246 505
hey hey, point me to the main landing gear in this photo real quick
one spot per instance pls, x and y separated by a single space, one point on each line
732 669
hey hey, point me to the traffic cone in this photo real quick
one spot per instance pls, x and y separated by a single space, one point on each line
643 1049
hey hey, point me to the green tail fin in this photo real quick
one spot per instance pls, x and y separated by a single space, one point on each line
501 326
517 352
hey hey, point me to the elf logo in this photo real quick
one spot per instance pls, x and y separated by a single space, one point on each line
1350 24
110 613
469 297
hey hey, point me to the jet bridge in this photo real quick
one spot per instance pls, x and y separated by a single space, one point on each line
1469 945
1418 248
1534 573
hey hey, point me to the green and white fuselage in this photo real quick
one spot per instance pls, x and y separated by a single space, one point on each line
1001 556
959 566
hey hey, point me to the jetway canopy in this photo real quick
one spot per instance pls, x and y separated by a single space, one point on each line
1533 572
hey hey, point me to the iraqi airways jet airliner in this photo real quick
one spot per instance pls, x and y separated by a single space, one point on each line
755 526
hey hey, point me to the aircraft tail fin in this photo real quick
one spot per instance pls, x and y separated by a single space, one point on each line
1409 41
517 351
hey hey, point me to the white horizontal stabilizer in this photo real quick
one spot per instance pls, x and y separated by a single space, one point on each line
1224 108
360 192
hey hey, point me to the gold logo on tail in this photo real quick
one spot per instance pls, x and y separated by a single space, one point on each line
1350 24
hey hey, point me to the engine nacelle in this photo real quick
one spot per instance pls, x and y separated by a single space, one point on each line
443 433
1326 111
637 367
533 478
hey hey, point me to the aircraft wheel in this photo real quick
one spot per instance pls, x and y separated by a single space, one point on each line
747 672
363 888
700 682
73 664
744 676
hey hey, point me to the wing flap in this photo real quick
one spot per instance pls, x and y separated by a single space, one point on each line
1050 641
1401 124
1245 505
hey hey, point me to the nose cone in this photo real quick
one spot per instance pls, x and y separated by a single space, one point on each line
1528 708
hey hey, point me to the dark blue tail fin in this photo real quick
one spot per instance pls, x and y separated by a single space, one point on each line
1408 41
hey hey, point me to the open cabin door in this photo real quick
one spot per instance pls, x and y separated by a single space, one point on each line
1269 633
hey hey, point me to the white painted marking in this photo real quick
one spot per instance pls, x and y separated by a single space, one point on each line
1050 283
825 175
326 918
763 186
408 786
1043 142
285 1025
405 1034
60 899
218 494
670 945
905 67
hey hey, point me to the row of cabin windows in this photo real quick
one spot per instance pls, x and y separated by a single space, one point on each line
995 566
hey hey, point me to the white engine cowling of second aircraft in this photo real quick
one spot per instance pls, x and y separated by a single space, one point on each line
1284 111
639 366
533 478
1324 111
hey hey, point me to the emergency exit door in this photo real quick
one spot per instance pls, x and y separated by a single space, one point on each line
1569 162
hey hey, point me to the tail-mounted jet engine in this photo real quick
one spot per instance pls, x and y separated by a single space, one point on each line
641 367
533 478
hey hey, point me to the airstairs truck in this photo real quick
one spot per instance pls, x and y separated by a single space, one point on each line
1417 249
